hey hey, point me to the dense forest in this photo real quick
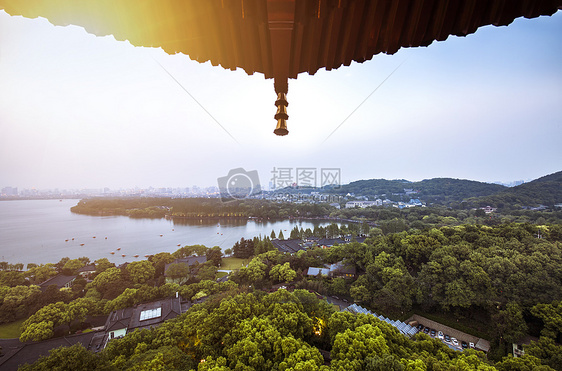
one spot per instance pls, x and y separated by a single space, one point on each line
501 282
277 331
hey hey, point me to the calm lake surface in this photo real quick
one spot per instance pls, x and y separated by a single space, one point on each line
34 231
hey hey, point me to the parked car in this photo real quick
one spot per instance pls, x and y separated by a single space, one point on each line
447 338
432 333
426 330
471 345
440 335
464 344
420 327
455 342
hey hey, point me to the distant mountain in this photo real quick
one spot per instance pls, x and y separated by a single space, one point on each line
447 190
546 190
437 190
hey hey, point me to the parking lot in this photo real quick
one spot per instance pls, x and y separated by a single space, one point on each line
478 343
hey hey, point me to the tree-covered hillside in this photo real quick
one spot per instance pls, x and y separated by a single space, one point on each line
543 191
546 191
437 190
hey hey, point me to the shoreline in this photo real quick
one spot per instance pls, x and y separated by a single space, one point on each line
257 218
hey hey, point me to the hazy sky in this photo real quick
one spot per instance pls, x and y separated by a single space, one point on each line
80 111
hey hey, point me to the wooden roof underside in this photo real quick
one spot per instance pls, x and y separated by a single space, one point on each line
281 37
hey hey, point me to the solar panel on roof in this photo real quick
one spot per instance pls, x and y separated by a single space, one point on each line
150 314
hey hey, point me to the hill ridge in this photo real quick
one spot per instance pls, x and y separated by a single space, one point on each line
546 190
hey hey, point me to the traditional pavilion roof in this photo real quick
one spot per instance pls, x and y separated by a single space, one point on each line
281 38
311 34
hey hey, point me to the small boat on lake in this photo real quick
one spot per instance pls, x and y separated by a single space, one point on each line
81 244
136 255
118 248
112 253
123 255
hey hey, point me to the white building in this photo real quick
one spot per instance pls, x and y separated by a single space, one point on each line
362 204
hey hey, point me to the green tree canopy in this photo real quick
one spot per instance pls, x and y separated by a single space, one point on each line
103 264
187 251
551 314
106 279
72 266
141 271
178 272
282 273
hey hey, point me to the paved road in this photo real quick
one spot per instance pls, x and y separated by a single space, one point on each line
341 303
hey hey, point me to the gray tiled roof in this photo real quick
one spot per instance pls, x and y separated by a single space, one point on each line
130 318
60 280
290 246
170 308
20 353
88 268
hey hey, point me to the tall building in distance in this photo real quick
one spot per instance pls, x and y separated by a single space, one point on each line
9 191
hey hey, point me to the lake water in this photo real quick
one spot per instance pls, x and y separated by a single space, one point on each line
34 231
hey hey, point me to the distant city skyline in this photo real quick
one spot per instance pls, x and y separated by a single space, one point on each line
266 185
80 111
184 189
